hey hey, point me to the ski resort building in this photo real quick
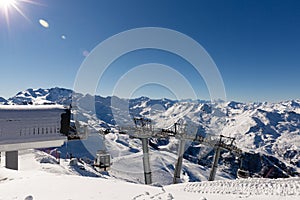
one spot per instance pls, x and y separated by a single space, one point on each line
29 127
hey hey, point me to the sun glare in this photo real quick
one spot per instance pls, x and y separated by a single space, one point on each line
5 4
8 6
5 7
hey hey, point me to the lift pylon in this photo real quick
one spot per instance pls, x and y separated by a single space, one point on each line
222 144
215 164
178 165
146 161
143 130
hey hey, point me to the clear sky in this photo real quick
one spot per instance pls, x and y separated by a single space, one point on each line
254 43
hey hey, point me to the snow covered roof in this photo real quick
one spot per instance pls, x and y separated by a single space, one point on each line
31 107
30 111
30 126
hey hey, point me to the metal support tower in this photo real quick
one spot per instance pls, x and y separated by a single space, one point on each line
222 144
215 164
178 165
143 130
146 161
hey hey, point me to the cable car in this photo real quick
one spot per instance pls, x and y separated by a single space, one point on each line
102 160
241 173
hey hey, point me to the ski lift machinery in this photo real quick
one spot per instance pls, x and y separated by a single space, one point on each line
144 130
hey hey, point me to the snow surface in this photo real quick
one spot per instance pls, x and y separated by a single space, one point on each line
40 177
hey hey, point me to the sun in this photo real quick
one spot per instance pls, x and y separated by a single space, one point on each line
6 4
5 7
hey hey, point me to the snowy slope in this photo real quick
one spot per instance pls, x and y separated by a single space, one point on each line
40 177
130 168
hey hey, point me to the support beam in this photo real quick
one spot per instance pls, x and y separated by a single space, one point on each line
215 164
146 162
178 165
11 160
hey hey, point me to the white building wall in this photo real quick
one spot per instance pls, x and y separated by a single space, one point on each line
25 124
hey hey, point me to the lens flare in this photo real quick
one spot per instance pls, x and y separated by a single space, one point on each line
44 23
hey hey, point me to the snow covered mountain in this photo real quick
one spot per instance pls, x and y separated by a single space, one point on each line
2 100
269 133
42 96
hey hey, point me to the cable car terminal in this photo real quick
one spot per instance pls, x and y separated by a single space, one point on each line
31 127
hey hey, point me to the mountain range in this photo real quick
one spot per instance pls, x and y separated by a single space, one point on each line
268 133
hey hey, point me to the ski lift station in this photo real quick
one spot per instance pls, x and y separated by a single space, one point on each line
29 127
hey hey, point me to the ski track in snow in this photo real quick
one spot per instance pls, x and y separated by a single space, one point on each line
247 187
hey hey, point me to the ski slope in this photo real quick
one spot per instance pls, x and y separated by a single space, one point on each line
40 177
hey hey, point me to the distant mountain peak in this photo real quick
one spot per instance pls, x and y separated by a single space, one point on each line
3 101
42 96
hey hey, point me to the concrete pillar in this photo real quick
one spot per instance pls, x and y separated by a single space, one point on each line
215 164
178 165
146 162
11 160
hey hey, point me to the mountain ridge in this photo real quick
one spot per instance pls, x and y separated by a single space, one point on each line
42 92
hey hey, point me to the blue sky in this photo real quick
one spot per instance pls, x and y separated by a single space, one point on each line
255 43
